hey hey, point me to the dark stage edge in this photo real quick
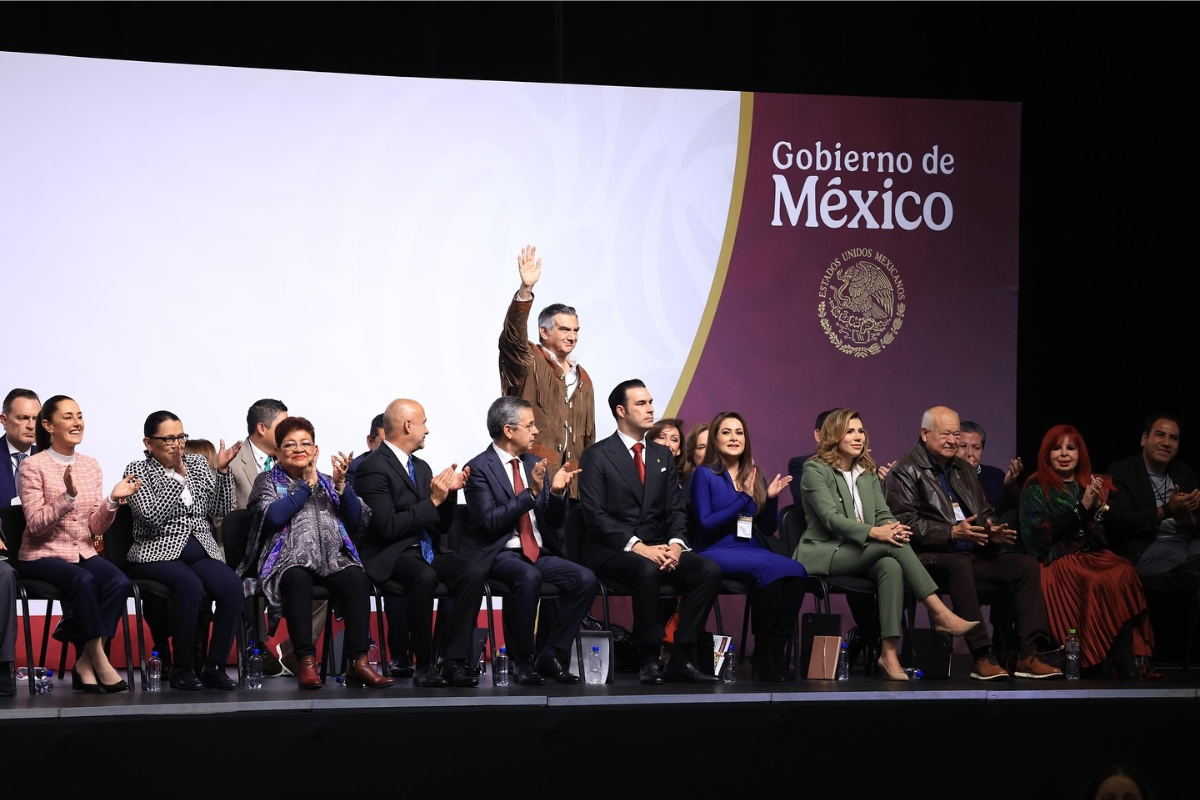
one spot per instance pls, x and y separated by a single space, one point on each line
955 738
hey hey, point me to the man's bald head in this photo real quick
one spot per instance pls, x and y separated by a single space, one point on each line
404 425
939 432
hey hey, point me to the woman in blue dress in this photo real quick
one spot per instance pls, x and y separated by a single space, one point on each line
735 514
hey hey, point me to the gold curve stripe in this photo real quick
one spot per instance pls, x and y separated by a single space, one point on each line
745 121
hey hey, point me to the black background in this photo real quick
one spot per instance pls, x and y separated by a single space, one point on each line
1108 165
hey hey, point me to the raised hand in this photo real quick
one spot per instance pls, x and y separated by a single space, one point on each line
310 472
1091 495
882 470
127 486
458 479
965 531
562 479
536 476
748 483
69 482
177 459
225 457
777 485
530 267
1014 471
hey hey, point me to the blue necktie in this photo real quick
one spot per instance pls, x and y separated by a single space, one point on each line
426 542
19 458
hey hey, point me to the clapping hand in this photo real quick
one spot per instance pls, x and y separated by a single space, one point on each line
341 465
225 457
1091 495
127 486
69 482
536 476
562 479
1014 471
777 485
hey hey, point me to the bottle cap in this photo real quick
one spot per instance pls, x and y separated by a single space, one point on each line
595 648
502 650
256 651
1072 630
49 673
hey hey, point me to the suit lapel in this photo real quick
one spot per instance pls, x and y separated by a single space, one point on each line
394 462
622 459
500 471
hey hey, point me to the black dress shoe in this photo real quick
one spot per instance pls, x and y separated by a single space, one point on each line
526 674
215 678
401 667
554 669
87 688
184 678
689 673
651 674
426 676
455 674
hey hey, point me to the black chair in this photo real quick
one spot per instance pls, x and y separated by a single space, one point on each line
13 520
396 589
235 531
823 587
118 539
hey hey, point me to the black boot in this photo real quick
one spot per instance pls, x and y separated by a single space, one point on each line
1121 654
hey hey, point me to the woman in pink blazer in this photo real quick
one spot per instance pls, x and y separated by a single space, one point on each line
65 507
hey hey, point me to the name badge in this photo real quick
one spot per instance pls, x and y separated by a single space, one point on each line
744 524
958 515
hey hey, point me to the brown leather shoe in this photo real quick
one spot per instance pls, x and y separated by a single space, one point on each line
361 673
308 676
1034 667
987 668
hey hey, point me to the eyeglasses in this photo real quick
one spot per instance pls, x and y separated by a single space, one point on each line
288 447
181 439
527 426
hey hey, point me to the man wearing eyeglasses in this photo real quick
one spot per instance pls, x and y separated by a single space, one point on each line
955 531
516 533
19 417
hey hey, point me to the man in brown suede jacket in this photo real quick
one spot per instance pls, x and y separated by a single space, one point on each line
546 374
939 496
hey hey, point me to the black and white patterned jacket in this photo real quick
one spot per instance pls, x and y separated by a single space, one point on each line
162 521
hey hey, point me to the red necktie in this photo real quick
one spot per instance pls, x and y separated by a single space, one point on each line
637 461
524 524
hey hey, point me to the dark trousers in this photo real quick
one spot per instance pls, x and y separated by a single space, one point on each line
696 579
578 587
351 590
396 610
189 577
773 611
465 582
1018 574
95 589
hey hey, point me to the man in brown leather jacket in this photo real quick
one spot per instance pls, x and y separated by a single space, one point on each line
954 529
546 374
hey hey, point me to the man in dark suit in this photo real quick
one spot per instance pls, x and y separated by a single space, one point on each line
411 509
19 417
515 532
1153 516
374 439
636 534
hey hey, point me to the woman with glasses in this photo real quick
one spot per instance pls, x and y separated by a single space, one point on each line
173 544
301 526
66 511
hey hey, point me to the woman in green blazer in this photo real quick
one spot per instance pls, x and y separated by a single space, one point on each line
851 532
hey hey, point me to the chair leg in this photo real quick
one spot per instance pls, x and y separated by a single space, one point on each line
384 658
327 646
491 618
46 635
141 633
28 636
745 628
717 615
129 671
240 638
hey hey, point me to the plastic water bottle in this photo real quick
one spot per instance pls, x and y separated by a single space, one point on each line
595 666
373 655
729 668
43 681
913 673
1072 651
154 672
500 668
843 665
38 672
254 670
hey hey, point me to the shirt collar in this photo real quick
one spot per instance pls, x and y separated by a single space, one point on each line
630 442
12 449
400 454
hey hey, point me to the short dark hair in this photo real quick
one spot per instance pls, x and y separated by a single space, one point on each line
376 424
18 394
264 411
546 318
293 424
1146 427
156 419
41 435
820 423
966 426
618 396
504 411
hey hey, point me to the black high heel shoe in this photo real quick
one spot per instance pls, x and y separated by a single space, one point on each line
113 688
87 688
